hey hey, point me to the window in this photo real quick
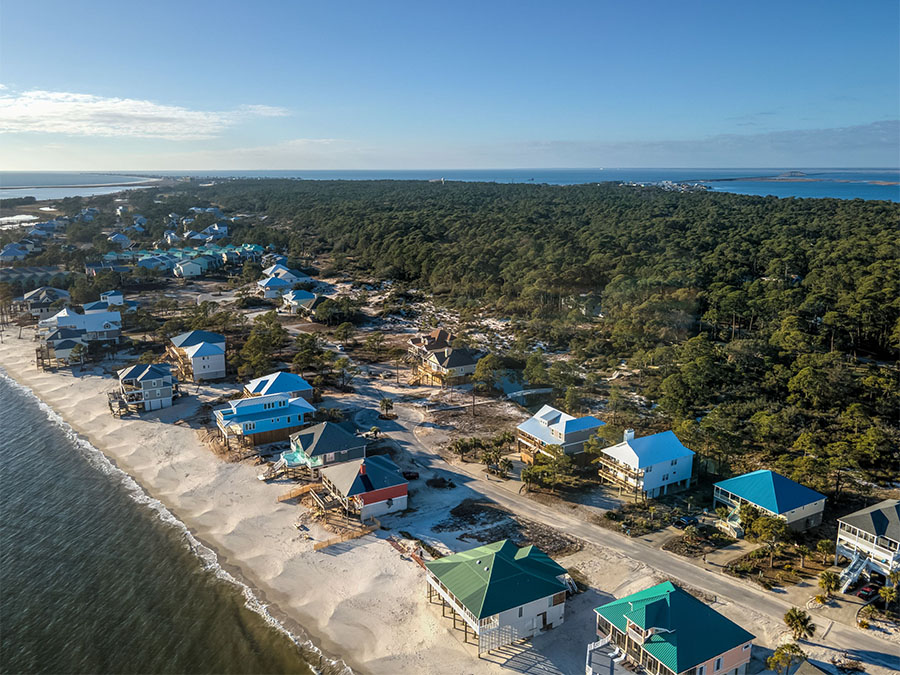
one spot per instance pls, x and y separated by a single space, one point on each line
521 610
665 477
674 462
249 426
701 670
718 665
745 647
648 469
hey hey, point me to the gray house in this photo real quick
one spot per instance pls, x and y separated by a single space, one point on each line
147 386
323 445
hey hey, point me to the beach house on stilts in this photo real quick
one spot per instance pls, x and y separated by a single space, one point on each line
499 592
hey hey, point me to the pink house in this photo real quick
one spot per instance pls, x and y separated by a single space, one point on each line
667 631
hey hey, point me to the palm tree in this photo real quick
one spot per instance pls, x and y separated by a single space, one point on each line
691 533
826 548
803 552
828 582
386 405
799 623
375 431
888 595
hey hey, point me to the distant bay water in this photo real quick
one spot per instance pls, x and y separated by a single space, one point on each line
97 577
870 184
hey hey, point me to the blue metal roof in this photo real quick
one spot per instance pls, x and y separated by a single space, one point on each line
771 491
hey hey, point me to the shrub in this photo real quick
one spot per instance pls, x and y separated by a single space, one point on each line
611 515
863 624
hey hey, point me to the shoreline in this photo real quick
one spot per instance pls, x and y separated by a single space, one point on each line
143 181
210 559
361 600
319 651
358 605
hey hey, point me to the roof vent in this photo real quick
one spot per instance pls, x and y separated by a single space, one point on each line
477 562
629 435
485 569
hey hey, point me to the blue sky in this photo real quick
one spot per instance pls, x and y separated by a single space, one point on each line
296 85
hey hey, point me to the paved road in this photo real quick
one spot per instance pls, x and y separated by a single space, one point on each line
839 637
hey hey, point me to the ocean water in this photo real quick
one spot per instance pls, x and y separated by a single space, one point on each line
52 184
817 183
96 577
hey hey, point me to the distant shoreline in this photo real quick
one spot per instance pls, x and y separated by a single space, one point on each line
145 181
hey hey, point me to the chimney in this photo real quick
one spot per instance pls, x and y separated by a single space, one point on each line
629 435
362 469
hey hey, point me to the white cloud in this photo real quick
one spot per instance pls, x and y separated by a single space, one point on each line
88 115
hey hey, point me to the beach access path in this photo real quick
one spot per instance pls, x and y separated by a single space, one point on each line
831 636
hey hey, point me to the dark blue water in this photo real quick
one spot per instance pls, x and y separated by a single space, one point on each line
94 580
818 183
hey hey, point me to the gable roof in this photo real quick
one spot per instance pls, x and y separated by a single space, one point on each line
540 424
299 296
325 438
380 473
146 371
194 337
204 349
436 339
649 450
277 383
880 520
771 491
273 282
690 631
493 578
454 358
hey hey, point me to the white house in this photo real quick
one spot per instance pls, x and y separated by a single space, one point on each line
299 301
188 269
147 386
207 361
200 355
870 539
108 300
649 466
549 426
286 273
273 287
96 325
502 593
279 382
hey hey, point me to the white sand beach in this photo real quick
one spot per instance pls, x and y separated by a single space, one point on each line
361 601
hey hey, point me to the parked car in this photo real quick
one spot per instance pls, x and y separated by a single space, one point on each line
410 475
684 521
868 591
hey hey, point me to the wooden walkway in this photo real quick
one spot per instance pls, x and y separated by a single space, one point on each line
298 491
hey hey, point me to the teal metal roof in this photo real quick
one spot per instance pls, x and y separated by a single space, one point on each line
493 578
689 631
771 491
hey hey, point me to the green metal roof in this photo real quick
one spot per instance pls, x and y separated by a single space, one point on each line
495 577
690 631
771 491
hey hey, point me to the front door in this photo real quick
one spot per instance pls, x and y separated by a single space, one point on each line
543 617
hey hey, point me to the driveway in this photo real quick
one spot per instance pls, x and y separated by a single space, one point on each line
840 637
